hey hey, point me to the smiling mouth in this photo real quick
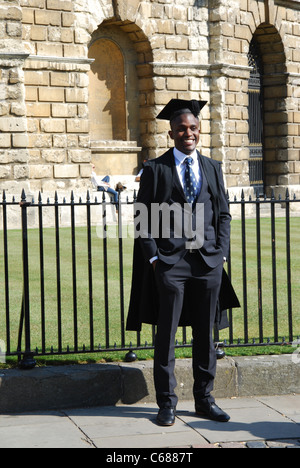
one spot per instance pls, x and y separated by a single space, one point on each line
188 140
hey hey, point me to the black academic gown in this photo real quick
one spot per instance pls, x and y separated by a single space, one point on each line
144 304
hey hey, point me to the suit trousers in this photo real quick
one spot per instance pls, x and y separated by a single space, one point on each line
203 284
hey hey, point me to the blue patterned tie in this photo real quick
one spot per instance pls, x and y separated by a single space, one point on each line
190 183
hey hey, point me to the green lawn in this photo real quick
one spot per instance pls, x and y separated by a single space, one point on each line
267 300
51 310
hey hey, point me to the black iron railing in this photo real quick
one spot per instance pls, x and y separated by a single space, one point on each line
65 276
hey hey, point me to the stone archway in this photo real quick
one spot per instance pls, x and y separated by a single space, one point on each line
256 120
275 115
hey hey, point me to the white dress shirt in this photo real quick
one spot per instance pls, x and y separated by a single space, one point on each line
181 166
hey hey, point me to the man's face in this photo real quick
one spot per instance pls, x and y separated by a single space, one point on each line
185 132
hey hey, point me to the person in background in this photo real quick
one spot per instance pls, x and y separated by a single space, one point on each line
138 177
103 185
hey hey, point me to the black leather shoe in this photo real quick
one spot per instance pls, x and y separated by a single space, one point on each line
166 417
211 411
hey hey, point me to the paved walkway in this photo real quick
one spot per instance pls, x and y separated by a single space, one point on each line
264 422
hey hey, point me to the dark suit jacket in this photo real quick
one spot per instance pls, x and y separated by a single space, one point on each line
160 184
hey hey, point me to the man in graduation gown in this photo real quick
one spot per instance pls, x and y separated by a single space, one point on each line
179 280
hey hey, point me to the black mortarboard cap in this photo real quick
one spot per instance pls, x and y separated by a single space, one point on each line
177 107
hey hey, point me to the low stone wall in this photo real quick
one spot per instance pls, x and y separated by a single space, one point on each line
110 384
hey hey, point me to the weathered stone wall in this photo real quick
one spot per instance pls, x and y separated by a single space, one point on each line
183 48
275 25
57 94
13 124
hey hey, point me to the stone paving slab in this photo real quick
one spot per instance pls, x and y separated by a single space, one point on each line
40 430
132 426
256 422
250 420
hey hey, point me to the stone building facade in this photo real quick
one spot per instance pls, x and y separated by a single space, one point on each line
83 80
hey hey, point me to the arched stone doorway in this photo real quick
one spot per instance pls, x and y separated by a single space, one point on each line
271 57
256 120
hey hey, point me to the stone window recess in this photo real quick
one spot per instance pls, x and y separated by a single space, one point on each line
107 90
114 102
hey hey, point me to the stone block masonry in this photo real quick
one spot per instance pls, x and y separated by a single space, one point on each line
180 49
44 124
56 83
